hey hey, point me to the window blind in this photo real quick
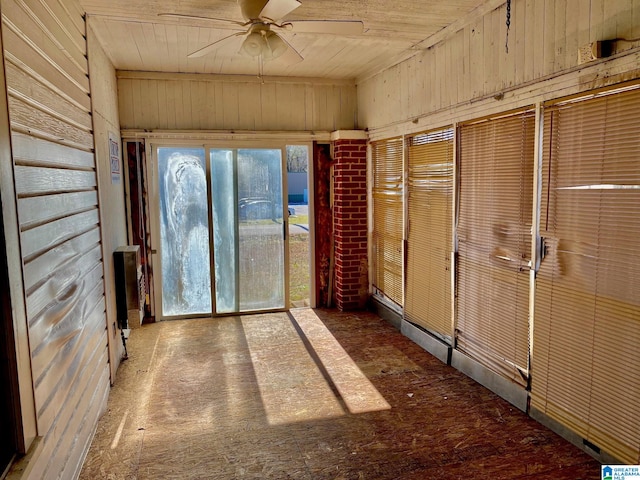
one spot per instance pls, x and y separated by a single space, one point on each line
387 234
586 361
429 205
494 242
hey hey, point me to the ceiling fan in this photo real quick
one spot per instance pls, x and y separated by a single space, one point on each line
262 17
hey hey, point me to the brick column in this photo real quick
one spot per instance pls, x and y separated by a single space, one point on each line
350 218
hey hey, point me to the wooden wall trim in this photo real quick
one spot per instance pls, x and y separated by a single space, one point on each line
27 430
229 135
140 75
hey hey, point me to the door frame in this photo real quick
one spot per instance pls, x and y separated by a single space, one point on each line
279 141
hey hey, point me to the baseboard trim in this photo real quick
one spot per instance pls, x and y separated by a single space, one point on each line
386 312
510 391
431 344
572 437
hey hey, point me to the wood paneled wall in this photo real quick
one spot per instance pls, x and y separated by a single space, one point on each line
60 242
448 81
212 102
470 75
104 96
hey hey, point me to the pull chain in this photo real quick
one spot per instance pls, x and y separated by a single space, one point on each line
508 22
261 69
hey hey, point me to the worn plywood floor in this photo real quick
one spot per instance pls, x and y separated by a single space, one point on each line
312 394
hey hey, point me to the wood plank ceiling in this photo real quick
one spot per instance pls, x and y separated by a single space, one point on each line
136 38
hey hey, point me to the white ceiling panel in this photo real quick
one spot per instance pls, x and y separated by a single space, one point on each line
136 38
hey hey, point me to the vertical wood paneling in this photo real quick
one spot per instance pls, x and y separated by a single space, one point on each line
543 41
58 215
539 19
517 39
442 80
178 102
216 110
560 37
163 111
457 45
476 51
321 102
125 99
503 68
309 111
635 8
465 64
285 114
432 81
530 47
403 85
171 99
489 54
549 32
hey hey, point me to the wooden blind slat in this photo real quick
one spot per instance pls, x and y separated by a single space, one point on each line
587 310
387 235
430 194
494 242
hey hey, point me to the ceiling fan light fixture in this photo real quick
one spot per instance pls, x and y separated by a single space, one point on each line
275 46
254 44
260 41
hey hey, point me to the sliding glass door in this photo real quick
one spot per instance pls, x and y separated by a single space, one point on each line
222 230
249 229
184 232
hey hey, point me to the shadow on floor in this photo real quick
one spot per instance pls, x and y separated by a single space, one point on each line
310 394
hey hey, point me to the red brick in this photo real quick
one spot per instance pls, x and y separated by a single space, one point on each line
351 223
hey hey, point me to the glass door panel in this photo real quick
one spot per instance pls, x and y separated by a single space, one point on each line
225 229
249 231
184 231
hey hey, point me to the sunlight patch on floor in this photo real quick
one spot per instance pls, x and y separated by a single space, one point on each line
291 382
357 392
291 385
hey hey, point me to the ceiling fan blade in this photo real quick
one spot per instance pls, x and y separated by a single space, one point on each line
291 56
276 9
336 27
213 46
198 17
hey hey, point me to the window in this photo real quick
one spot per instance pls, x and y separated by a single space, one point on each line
494 242
387 235
429 204
587 310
